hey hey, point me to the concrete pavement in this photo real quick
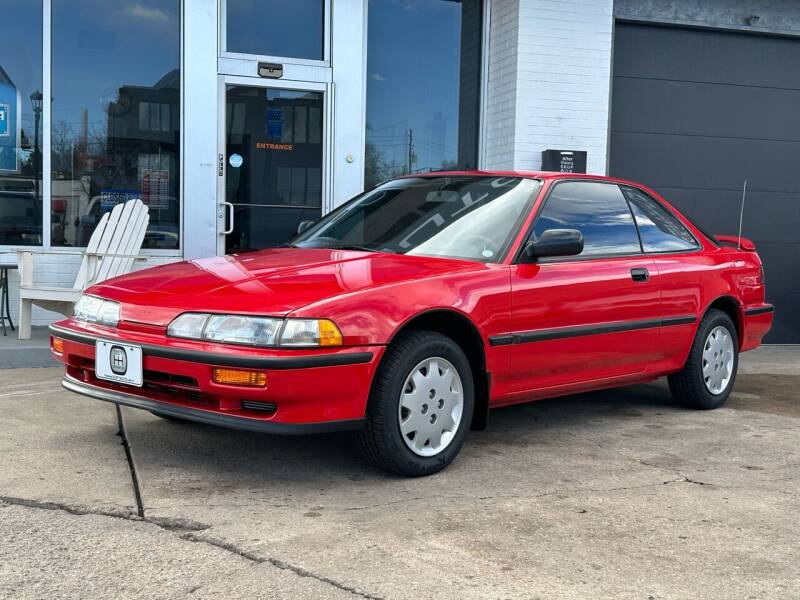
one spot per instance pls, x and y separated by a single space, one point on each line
618 494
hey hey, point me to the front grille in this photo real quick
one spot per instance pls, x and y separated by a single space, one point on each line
160 385
261 407
167 387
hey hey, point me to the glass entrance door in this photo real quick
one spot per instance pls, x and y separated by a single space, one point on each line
273 163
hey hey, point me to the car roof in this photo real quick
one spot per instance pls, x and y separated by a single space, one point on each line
526 174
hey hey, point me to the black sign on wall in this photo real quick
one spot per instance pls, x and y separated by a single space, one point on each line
564 161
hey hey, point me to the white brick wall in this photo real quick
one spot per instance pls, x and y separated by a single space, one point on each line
549 81
501 100
57 271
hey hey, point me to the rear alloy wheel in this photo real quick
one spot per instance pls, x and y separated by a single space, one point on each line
420 406
706 381
718 360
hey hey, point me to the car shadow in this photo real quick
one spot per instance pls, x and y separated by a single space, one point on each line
191 456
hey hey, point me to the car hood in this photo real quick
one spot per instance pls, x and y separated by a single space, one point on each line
271 282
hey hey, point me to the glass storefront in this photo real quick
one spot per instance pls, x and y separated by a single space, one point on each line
115 126
423 87
276 28
91 107
21 124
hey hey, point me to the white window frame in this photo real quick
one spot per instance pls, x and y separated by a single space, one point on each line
46 148
326 42
278 84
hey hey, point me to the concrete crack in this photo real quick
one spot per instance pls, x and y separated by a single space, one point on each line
137 492
684 479
73 509
275 562
187 531
128 514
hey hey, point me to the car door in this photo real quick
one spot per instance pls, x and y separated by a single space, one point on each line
594 316
681 267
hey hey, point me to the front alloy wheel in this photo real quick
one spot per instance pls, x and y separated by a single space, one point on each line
431 406
420 405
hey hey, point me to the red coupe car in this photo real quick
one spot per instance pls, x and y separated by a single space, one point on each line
410 311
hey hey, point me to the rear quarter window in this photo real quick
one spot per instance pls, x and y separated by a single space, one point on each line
660 230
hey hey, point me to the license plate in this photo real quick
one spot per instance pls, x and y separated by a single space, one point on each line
117 362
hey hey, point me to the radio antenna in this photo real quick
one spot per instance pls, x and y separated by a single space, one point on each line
741 213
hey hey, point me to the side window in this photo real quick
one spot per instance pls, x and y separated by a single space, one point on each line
598 210
660 230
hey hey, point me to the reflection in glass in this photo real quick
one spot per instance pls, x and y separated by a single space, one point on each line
274 163
598 210
423 87
115 115
659 230
462 217
20 124
276 27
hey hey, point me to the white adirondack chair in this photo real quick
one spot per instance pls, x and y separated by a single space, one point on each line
111 251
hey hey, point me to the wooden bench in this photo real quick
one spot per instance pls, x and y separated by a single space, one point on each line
112 250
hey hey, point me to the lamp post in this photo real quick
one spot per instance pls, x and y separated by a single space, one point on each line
36 104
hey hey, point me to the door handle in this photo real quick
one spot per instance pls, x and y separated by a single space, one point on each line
229 206
640 274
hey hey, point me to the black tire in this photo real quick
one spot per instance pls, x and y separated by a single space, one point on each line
688 385
381 440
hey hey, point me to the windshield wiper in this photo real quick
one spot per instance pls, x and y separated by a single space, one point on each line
353 247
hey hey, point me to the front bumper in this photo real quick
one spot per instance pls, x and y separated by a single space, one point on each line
204 416
307 391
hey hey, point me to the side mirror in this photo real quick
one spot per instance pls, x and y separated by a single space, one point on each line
554 242
304 225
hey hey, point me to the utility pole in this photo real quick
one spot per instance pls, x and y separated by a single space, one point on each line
410 150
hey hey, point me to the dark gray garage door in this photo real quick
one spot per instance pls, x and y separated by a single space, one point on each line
694 113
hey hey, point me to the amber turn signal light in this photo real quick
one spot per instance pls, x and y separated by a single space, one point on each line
329 334
240 377
57 344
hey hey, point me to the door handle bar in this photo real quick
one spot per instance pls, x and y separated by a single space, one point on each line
229 207
640 274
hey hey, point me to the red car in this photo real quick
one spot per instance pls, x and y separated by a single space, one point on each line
410 311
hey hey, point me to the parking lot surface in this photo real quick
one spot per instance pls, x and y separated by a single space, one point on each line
615 494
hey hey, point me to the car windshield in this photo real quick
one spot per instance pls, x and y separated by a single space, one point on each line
472 217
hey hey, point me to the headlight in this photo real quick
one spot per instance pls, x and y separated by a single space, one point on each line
97 310
256 331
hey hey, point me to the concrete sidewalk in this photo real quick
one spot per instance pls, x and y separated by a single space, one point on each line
618 494
35 352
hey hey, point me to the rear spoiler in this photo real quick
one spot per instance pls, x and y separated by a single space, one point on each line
736 242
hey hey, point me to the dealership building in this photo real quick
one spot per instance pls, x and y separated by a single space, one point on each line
234 120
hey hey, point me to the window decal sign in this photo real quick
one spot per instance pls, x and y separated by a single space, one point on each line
109 198
9 125
5 113
274 123
155 188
